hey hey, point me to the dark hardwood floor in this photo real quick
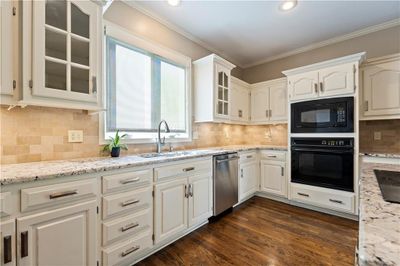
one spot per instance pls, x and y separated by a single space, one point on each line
265 232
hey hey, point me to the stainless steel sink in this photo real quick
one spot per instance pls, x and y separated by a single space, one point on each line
167 154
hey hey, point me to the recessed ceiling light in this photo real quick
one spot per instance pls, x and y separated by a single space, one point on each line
287 5
174 2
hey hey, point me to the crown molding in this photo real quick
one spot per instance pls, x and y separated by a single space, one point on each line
171 26
354 34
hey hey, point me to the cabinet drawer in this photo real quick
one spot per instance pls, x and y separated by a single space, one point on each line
134 200
128 179
59 193
322 197
126 252
127 225
247 157
183 168
5 204
273 155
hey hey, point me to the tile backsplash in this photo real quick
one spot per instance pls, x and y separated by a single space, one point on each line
41 134
390 136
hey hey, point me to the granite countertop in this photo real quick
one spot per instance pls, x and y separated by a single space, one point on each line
381 155
27 172
379 232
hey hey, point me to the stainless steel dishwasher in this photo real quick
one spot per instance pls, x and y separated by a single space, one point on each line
225 174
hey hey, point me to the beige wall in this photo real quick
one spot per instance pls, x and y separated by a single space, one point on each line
376 44
40 134
143 25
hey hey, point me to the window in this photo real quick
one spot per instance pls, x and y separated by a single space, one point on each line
144 88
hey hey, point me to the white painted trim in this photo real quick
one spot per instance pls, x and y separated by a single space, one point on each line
215 58
381 59
359 57
238 81
268 82
171 26
354 34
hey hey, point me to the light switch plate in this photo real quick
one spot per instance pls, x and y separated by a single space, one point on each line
377 135
75 136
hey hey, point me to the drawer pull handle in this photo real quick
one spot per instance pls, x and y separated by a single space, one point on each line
303 194
129 251
7 249
129 226
132 180
188 169
336 201
271 156
249 156
129 202
24 244
63 194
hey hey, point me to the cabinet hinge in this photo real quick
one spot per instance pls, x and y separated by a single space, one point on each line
97 209
30 84
14 84
354 69
152 193
14 11
105 30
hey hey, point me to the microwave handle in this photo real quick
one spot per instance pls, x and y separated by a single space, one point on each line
336 151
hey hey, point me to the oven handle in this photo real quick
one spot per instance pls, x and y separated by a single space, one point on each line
336 151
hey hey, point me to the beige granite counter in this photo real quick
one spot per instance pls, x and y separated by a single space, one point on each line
379 232
27 172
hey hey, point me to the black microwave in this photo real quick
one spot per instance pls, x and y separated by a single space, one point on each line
323 116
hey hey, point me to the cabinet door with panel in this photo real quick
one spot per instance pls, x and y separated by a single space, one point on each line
248 179
222 86
64 236
260 104
381 89
337 80
273 177
240 102
200 198
65 61
7 242
170 208
303 86
278 102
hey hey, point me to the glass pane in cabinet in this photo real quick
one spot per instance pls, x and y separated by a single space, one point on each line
56 13
56 45
225 94
79 22
219 107
80 80
225 80
79 52
55 76
220 78
220 93
225 108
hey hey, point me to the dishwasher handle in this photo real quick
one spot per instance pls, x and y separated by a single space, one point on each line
227 160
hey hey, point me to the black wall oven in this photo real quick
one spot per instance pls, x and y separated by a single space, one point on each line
324 162
323 116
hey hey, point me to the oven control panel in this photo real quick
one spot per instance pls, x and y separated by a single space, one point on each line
323 142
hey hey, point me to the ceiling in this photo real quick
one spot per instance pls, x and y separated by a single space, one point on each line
252 32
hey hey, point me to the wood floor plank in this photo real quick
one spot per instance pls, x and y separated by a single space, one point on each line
265 232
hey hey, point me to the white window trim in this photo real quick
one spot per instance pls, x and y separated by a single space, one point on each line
129 37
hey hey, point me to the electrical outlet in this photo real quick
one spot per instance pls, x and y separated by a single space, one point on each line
267 134
377 135
75 136
195 135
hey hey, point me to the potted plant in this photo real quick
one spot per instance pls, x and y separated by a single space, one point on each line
115 145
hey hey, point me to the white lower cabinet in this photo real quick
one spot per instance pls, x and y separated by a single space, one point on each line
170 208
7 243
248 179
64 236
200 198
273 177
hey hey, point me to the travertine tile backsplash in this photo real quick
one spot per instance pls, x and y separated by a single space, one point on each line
40 134
390 132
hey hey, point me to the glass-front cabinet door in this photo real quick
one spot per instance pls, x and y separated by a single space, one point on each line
64 50
222 97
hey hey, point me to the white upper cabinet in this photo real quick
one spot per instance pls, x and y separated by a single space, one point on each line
335 77
212 75
240 100
8 53
381 88
269 102
65 40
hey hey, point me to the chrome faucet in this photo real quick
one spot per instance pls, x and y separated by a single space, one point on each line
161 142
